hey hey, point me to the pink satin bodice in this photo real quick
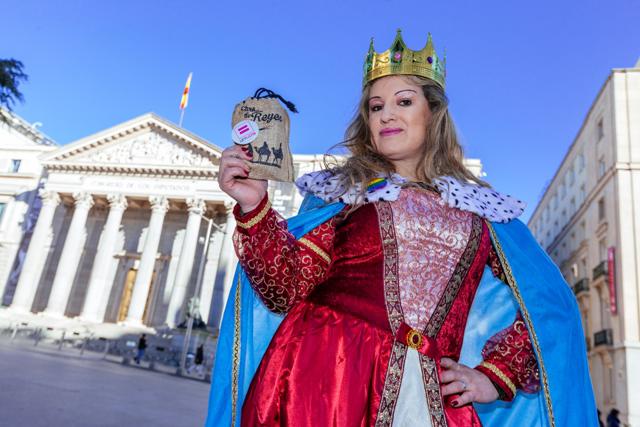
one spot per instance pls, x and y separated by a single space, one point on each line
431 238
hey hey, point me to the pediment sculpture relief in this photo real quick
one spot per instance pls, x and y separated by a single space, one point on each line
149 149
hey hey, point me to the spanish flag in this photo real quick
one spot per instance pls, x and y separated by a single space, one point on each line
185 95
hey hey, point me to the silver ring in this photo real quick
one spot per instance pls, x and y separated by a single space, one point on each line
464 385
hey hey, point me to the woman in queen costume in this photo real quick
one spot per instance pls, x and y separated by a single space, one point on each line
405 293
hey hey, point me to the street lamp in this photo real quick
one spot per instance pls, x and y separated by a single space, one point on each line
194 301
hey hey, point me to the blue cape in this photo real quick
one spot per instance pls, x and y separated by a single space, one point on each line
536 287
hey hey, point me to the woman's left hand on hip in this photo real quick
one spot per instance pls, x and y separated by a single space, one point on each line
470 384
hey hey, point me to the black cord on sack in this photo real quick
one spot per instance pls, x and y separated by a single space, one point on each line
266 93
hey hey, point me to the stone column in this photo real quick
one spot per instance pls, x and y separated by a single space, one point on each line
99 288
209 303
186 261
159 207
36 254
227 261
68 264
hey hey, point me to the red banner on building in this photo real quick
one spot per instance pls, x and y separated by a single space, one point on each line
611 267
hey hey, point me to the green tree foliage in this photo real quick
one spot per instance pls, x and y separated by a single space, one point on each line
11 75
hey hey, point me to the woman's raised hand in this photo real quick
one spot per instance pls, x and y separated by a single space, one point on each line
471 384
233 178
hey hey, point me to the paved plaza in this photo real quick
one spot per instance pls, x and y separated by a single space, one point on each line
45 387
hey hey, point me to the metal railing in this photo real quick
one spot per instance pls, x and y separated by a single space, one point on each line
603 337
600 270
581 285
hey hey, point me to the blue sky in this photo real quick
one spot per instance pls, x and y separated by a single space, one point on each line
521 75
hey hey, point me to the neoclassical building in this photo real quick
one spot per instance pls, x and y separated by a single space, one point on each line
117 233
112 227
589 222
119 225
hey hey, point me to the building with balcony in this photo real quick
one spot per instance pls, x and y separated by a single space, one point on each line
588 220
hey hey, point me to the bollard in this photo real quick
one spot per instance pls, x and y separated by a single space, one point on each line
15 332
61 340
84 344
37 336
106 348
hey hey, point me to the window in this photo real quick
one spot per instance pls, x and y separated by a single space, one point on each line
580 162
2 206
570 178
15 165
585 322
599 309
600 130
602 168
546 213
602 249
574 272
583 194
554 202
601 210
611 381
604 309
572 206
562 190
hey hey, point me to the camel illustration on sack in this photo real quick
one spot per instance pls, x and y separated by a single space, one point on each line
265 152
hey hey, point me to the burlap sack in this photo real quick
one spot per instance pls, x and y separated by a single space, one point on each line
262 124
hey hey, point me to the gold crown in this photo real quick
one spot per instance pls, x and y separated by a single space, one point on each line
399 59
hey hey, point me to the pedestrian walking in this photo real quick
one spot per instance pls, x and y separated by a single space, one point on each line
142 346
198 361
612 418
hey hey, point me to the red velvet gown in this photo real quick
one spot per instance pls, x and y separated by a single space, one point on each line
361 292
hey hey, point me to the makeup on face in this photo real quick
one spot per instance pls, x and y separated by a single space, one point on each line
398 117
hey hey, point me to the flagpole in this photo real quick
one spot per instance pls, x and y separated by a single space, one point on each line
181 117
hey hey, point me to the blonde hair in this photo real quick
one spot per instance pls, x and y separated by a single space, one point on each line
442 154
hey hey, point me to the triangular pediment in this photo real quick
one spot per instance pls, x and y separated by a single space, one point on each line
147 144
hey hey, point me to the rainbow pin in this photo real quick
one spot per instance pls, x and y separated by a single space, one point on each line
376 184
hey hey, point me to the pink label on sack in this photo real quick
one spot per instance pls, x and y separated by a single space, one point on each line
244 132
